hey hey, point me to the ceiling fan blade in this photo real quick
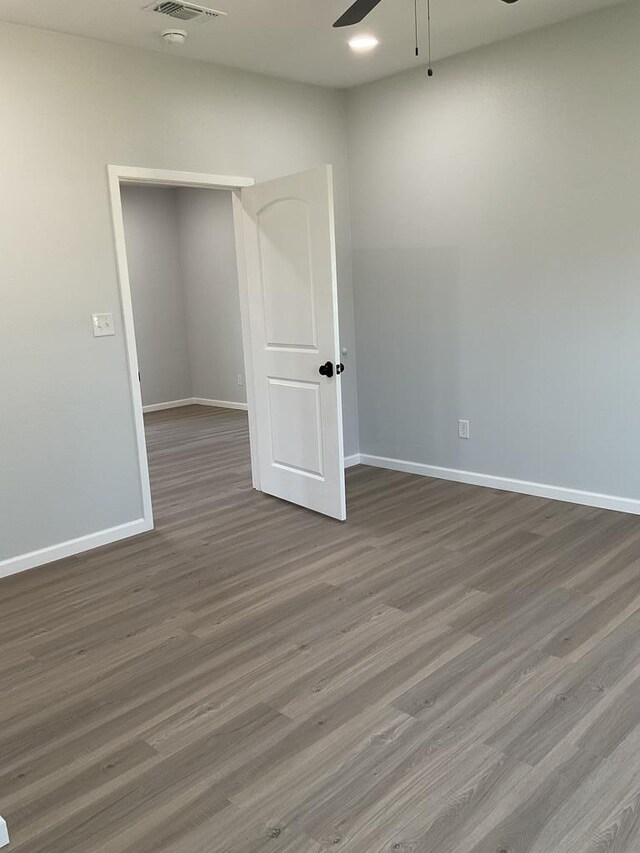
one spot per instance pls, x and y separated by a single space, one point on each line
356 12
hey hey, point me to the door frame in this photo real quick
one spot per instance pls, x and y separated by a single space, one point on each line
118 175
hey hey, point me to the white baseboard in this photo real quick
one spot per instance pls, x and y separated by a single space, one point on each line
219 404
194 401
171 404
350 461
540 490
73 546
4 833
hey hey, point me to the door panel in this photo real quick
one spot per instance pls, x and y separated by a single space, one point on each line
296 426
293 318
286 265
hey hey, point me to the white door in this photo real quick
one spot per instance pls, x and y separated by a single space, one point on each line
293 318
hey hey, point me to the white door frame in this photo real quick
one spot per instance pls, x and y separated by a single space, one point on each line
118 175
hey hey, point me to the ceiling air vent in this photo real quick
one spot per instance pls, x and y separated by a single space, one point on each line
184 11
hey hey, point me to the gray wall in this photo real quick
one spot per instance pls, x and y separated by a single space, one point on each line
184 287
496 213
157 292
73 106
210 279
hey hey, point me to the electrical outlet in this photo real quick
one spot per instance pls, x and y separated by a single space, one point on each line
240 379
463 429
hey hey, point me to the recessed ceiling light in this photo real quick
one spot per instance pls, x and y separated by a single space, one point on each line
361 44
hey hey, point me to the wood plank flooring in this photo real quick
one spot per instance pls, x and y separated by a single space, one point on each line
454 669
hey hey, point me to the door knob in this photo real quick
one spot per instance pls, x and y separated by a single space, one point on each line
339 369
326 369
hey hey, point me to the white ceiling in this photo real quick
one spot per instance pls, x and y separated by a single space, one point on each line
294 38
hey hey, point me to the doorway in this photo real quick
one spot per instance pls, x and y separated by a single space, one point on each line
121 178
182 267
286 272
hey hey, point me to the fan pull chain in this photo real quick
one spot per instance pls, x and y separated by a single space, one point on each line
415 22
429 68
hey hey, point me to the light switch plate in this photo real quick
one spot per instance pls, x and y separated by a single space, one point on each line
102 325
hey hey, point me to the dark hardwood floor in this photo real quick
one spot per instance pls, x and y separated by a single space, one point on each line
453 670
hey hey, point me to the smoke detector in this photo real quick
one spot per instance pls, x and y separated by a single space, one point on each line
184 11
174 36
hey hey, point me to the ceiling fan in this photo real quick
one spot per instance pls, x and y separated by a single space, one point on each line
359 10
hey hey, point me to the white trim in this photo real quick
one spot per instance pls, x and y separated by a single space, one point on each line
239 217
219 404
73 546
118 175
350 461
194 401
4 832
114 175
541 490
176 178
170 404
